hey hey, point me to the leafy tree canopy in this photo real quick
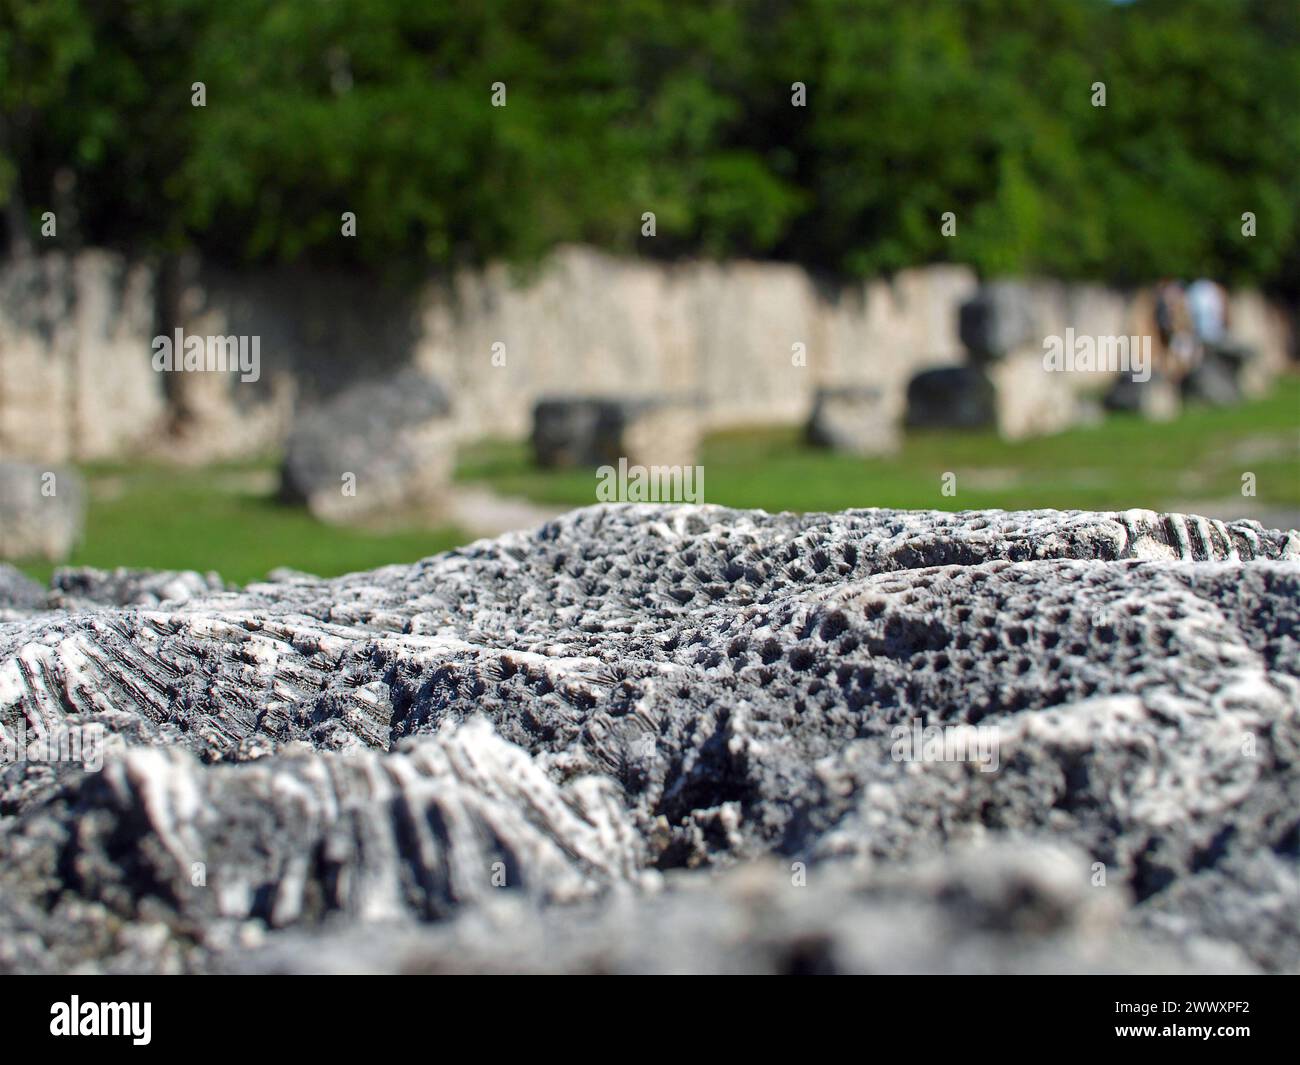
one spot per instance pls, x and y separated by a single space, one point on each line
984 108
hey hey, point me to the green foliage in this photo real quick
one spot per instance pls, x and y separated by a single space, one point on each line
383 108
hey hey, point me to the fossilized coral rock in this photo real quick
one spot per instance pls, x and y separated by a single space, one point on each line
19 594
637 690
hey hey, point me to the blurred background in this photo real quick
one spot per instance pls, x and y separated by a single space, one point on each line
814 247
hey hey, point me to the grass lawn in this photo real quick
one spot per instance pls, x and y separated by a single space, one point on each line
227 518
1124 462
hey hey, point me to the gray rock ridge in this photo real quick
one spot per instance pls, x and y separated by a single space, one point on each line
634 691
19 594
81 587
74 588
1013 907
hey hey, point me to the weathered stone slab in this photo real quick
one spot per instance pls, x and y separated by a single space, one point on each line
951 397
858 420
590 431
1213 381
42 511
1032 400
997 320
1157 399
379 453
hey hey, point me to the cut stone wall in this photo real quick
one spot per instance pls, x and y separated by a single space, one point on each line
722 333
76 380
75 374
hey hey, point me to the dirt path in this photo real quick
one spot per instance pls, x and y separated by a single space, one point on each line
482 512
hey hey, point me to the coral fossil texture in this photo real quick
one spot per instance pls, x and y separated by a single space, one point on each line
665 738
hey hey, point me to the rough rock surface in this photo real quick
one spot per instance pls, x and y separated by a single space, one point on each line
19 591
664 737
78 587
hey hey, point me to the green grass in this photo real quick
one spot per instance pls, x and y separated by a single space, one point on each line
1124 462
226 518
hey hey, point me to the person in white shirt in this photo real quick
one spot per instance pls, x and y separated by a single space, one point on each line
1208 303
